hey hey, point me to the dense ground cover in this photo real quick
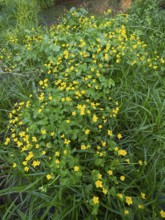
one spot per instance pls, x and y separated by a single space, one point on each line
82 118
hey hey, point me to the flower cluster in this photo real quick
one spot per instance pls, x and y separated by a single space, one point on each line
65 131
107 42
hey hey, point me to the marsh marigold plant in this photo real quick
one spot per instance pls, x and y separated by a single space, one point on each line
64 133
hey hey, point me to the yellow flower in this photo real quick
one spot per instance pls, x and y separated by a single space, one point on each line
122 152
116 148
68 99
35 163
119 136
98 184
87 131
83 91
127 160
26 169
41 97
57 153
28 104
52 134
73 113
140 206
66 141
162 60
98 147
50 98
22 134
7 141
37 146
119 195
76 168
129 200
99 176
34 139
95 118
103 143
65 152
14 165
162 213
19 143
122 178
105 191
140 162
43 152
43 131
15 139
41 82
57 161
30 155
109 132
95 200
67 121
24 163
83 147
13 135
100 126
49 177
110 172
126 212
143 195
13 111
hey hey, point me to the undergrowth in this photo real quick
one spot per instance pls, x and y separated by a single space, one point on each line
82 118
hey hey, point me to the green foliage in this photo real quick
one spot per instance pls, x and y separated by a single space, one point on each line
80 139
44 4
149 19
17 15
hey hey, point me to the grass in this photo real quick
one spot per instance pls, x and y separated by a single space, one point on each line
141 120
17 16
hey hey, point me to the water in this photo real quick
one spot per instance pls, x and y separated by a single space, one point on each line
50 16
